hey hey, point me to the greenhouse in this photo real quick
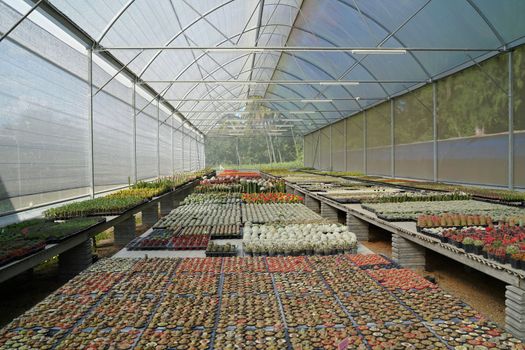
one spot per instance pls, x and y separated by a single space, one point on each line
262 174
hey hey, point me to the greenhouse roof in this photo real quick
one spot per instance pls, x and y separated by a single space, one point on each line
305 63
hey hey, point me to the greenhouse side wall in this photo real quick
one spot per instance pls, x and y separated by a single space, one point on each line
338 146
469 111
45 149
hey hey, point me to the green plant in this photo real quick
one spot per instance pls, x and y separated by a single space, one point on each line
478 243
468 241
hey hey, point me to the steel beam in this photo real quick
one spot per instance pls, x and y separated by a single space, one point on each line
326 82
261 49
302 100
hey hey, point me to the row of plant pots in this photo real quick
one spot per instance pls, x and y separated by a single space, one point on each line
118 202
412 210
215 249
503 243
201 215
273 197
212 198
283 213
503 196
220 231
12 250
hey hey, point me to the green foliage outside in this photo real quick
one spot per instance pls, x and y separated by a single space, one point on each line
252 152
267 167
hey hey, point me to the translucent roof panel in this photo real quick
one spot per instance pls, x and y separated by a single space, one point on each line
439 36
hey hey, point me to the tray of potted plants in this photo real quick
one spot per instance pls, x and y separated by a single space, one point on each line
200 265
100 338
179 338
404 279
239 173
492 195
194 284
52 231
201 215
158 239
244 264
89 283
228 338
279 213
227 188
451 220
47 315
215 249
357 194
247 283
501 243
258 310
190 242
272 197
298 283
369 261
326 338
226 232
212 198
102 206
31 338
188 311
164 267
216 232
412 210
288 264
11 250
121 201
312 310
298 239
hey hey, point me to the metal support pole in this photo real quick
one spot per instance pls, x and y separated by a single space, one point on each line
134 102
511 128
158 138
204 151
90 126
191 156
331 149
198 154
434 132
318 149
294 144
182 144
345 144
365 153
392 141
172 150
